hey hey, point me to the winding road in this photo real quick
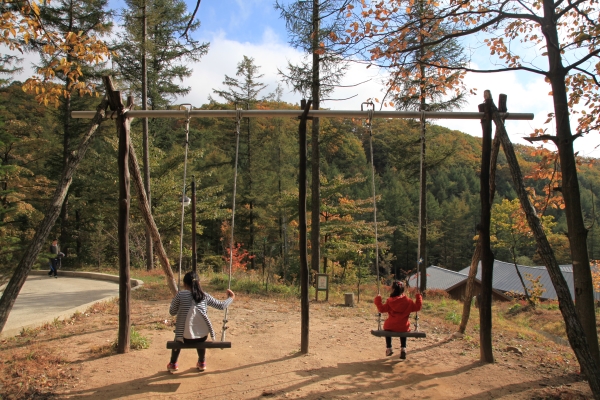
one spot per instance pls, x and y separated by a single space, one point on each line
44 298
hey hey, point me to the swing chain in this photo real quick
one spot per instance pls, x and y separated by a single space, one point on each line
238 119
187 107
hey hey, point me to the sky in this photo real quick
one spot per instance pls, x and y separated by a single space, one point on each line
253 28
235 28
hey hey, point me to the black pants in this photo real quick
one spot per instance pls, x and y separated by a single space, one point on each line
201 352
388 342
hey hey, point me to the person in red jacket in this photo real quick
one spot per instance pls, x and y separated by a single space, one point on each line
398 307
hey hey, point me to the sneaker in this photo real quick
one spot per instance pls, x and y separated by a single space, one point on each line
201 366
389 352
172 367
403 355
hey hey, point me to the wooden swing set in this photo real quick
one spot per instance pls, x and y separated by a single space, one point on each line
127 163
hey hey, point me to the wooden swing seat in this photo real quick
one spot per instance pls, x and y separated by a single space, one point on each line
199 345
398 334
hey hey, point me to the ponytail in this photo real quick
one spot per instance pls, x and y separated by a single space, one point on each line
192 280
397 288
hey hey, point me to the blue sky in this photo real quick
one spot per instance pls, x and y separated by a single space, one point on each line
253 28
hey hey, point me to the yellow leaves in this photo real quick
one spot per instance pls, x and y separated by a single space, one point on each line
34 8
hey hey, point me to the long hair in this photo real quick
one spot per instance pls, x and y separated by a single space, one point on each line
192 280
397 288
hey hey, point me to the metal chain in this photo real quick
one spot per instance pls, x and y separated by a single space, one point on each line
187 135
231 244
368 125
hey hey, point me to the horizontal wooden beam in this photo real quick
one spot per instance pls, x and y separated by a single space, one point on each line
296 113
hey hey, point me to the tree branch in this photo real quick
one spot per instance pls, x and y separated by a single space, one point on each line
541 138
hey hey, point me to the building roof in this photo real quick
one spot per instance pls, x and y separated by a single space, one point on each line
506 279
439 278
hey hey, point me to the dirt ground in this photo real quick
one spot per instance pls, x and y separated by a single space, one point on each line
344 362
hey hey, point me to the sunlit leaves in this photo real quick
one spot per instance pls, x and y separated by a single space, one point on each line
67 52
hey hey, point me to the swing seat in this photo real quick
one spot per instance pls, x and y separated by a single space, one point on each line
398 334
199 345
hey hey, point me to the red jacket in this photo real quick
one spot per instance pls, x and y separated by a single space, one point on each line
399 309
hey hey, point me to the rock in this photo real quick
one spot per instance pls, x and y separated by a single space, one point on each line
515 350
457 335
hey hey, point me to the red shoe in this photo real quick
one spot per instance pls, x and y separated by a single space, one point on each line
172 367
201 366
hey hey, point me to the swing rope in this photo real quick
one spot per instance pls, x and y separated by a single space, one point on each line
368 125
187 134
238 118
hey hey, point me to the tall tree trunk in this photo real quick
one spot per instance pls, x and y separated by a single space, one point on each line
487 258
251 200
315 224
43 230
582 276
78 243
302 245
145 137
422 245
574 328
64 213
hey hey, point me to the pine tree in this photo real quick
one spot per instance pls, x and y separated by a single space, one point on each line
244 91
84 18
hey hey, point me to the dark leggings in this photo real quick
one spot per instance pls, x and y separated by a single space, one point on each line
201 352
388 341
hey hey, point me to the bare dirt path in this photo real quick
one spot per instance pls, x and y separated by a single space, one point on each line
345 361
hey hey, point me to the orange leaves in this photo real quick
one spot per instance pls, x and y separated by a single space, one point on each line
67 52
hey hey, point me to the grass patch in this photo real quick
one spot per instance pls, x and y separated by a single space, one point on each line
453 317
254 285
137 341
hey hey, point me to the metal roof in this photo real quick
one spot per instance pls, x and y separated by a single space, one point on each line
506 279
439 278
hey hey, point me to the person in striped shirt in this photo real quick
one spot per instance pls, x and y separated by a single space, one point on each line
190 306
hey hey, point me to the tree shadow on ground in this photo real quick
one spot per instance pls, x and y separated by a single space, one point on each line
158 383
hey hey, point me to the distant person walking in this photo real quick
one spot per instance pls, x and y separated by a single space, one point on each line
55 259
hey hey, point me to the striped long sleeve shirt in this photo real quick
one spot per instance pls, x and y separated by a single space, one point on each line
183 301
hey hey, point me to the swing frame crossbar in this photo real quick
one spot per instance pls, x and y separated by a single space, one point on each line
298 113
398 334
198 345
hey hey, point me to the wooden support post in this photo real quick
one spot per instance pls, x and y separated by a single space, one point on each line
487 258
304 273
123 124
194 251
470 287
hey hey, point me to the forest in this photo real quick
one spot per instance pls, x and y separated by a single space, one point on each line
63 178
34 145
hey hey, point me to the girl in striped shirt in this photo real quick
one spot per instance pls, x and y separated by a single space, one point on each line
193 325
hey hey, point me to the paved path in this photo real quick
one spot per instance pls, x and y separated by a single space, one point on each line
42 299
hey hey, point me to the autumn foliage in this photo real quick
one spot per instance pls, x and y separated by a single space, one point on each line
22 28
